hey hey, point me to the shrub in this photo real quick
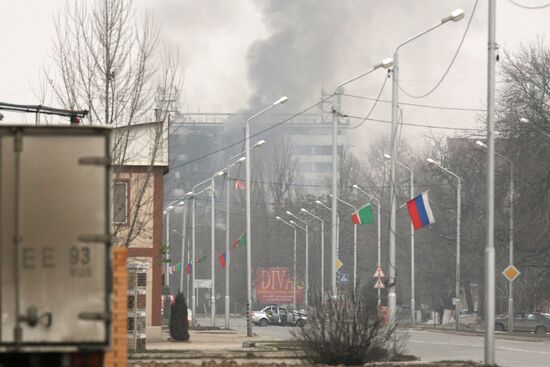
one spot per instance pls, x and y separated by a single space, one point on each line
345 331
179 325
166 305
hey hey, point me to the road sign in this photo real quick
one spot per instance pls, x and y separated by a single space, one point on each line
203 283
379 284
339 264
378 273
511 273
344 277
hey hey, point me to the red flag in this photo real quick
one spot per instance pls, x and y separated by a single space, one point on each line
221 259
189 268
240 185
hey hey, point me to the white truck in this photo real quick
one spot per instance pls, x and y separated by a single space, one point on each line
55 245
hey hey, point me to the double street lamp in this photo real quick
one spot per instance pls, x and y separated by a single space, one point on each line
458 214
248 216
455 16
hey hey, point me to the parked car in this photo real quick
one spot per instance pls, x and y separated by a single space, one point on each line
525 321
278 315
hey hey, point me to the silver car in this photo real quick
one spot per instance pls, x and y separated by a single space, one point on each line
525 321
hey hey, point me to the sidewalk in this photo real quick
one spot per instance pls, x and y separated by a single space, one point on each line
209 340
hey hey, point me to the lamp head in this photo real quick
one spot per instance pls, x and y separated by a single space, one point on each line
189 194
219 173
455 16
170 207
242 159
430 161
278 218
387 156
524 120
318 202
289 213
304 210
481 144
355 186
259 144
281 100
292 222
387 63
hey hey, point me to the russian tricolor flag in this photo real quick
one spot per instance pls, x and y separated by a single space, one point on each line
420 211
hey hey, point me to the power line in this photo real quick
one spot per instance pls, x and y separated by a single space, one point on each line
534 7
373 105
417 104
418 125
450 64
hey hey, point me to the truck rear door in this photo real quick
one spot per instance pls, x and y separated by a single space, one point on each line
54 236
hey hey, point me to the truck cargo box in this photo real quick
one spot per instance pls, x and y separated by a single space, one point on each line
54 237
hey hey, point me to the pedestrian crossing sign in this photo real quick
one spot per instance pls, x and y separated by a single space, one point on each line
379 284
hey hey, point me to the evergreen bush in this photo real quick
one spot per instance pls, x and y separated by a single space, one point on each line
179 325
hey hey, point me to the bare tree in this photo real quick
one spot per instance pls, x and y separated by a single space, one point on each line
106 62
284 170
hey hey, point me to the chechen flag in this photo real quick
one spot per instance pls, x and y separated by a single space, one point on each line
420 211
363 215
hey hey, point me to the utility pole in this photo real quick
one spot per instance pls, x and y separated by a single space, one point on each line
489 293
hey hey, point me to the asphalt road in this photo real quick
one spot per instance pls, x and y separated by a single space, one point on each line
435 346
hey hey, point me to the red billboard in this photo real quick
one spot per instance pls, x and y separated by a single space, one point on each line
275 285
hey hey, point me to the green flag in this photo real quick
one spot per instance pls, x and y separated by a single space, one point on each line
241 241
363 215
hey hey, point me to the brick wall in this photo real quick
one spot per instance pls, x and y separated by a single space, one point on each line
118 354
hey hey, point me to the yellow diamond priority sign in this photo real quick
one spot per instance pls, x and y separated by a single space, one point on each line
511 273
339 264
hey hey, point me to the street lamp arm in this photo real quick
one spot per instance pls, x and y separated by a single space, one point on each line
348 204
369 195
297 225
296 217
417 36
259 113
318 202
313 215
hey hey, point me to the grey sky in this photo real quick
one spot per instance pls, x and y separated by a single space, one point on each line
239 52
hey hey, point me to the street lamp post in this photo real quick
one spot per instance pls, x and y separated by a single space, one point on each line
306 296
293 263
386 63
458 215
194 195
320 203
305 230
379 240
413 302
354 244
227 226
455 16
511 238
248 216
322 247
213 246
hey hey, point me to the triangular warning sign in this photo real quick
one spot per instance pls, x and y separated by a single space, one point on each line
378 273
379 284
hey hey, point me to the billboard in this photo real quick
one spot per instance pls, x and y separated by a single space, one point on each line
276 285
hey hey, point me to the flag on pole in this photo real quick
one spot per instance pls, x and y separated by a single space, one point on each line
222 258
201 259
177 267
241 241
363 215
420 211
240 185
189 268
171 270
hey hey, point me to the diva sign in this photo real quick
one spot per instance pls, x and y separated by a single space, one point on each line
276 285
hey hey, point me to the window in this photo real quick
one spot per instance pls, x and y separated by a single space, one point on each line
120 202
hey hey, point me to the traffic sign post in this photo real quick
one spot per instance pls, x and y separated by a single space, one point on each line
378 273
511 273
379 284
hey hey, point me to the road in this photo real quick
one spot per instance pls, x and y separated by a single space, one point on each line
432 346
